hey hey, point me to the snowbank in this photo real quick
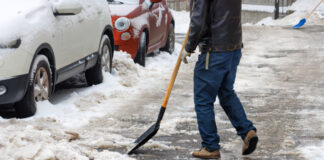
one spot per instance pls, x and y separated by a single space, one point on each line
21 18
306 5
301 9
56 122
182 20
313 152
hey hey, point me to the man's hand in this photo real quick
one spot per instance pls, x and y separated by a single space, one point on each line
184 55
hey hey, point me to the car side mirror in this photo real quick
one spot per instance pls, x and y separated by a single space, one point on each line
67 8
154 1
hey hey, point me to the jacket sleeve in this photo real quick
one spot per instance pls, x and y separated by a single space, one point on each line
198 13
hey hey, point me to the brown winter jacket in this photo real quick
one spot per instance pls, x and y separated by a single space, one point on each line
215 25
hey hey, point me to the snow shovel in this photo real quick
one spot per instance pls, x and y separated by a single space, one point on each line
155 127
303 21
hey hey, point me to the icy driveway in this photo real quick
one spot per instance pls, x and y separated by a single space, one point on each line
280 82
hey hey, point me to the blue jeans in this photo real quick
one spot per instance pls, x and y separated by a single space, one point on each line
218 79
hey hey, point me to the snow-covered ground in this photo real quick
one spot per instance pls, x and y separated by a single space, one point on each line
301 9
73 109
280 82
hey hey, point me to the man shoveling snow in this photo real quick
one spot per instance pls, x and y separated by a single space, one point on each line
216 27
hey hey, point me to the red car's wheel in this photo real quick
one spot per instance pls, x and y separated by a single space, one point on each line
141 52
169 46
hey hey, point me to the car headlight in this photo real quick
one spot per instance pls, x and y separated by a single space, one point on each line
122 24
13 44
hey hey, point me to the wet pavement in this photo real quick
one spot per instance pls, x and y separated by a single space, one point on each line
287 69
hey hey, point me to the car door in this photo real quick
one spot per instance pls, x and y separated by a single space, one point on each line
79 37
165 20
156 20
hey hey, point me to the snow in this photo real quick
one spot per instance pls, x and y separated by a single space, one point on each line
261 8
129 1
91 122
160 16
79 108
313 152
22 20
122 10
139 22
306 5
27 19
301 9
182 20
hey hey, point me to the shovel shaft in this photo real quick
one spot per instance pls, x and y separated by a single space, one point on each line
314 9
174 74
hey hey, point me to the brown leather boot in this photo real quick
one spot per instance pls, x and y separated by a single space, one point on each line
204 153
250 142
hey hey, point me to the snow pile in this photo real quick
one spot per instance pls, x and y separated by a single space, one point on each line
312 149
21 18
306 5
260 8
313 152
39 143
77 108
182 20
56 131
301 9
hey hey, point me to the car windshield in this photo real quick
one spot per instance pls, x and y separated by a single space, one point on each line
124 1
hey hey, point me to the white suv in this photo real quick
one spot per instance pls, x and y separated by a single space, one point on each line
44 42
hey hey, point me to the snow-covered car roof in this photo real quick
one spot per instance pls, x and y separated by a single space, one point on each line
21 18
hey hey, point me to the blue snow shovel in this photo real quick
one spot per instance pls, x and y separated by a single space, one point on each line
303 21
146 136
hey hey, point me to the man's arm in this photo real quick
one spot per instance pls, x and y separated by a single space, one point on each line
199 10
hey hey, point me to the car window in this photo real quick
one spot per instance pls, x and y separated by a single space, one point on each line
124 1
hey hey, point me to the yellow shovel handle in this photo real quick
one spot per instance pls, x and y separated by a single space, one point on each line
174 74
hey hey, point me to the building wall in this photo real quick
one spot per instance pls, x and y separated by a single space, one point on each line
178 5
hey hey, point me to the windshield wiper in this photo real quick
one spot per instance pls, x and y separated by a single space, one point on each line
115 2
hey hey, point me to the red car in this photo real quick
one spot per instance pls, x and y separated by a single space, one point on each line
141 27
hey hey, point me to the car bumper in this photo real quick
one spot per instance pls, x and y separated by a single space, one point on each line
129 46
16 88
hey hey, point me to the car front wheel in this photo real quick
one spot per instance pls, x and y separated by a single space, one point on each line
169 46
94 75
141 52
39 87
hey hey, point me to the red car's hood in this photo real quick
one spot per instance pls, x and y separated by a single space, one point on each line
122 9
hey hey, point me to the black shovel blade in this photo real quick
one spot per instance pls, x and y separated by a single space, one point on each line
146 136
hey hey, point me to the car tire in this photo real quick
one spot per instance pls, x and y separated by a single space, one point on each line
94 75
39 87
169 46
141 52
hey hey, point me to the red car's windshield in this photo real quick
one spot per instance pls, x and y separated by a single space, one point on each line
124 1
